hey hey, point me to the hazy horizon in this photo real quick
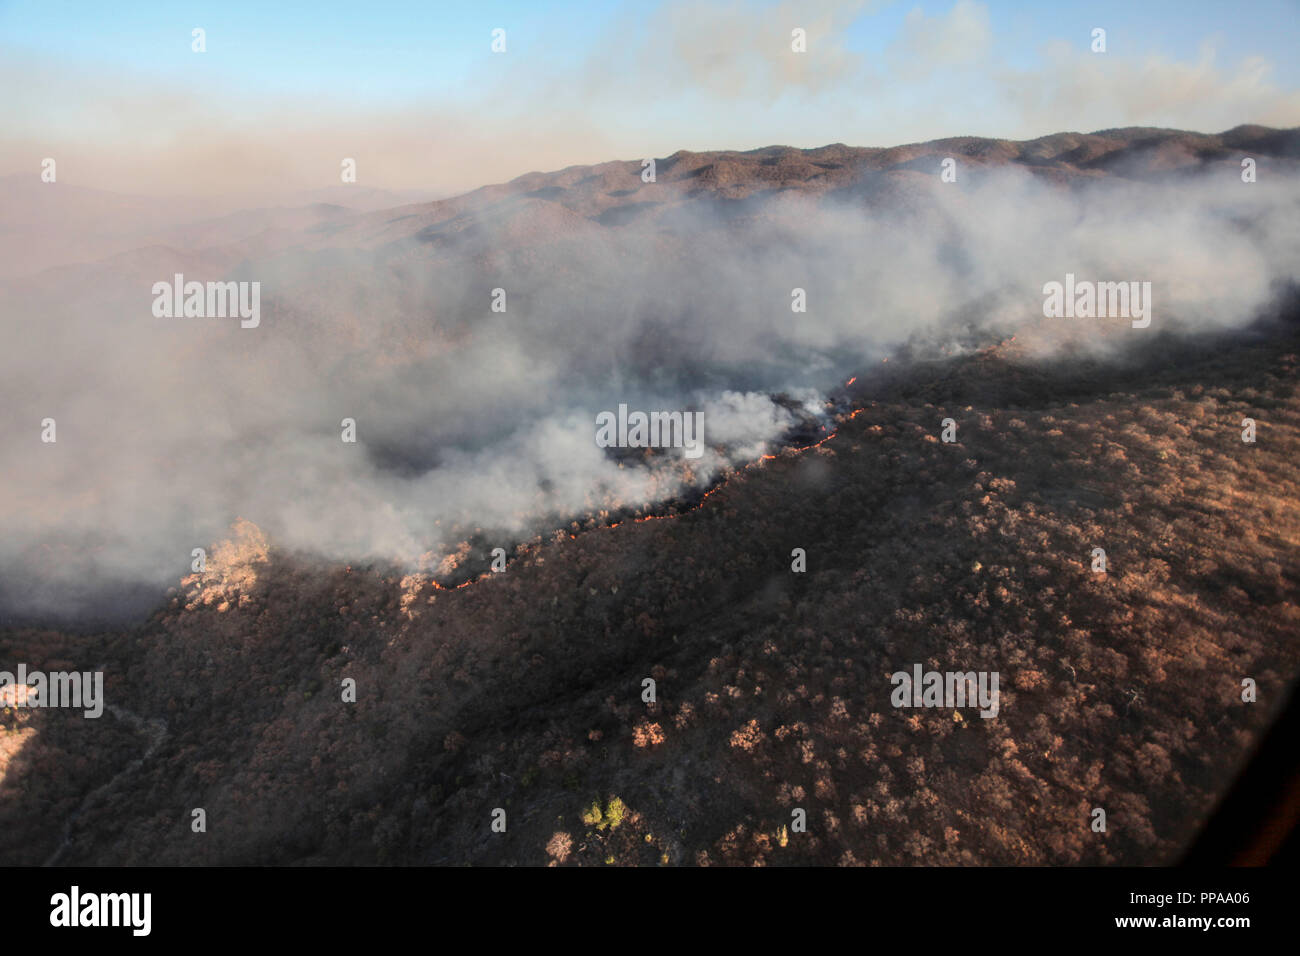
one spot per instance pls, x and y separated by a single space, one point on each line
417 97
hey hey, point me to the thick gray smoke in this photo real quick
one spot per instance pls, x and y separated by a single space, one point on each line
467 418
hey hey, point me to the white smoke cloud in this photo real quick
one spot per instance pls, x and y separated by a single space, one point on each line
468 419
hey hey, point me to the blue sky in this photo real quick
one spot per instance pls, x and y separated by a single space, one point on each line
584 82
386 49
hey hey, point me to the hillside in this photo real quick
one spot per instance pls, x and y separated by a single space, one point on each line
523 690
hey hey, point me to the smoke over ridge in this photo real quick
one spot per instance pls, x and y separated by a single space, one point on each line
170 428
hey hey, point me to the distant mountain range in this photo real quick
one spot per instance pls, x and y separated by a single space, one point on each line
42 225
